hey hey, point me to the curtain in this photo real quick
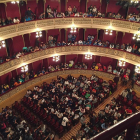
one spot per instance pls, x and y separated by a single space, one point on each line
81 34
14 73
37 66
40 7
97 59
80 58
2 11
101 34
45 63
83 6
63 5
127 38
105 60
133 10
10 46
71 57
3 52
43 38
26 40
119 38
62 59
23 9
32 5
18 44
103 6
62 35
12 10
5 79
110 38
114 63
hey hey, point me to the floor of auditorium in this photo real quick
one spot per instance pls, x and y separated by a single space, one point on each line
75 129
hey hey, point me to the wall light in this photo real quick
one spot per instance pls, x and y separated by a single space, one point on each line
56 58
14 2
121 63
73 30
109 32
88 56
137 69
2 44
136 36
24 68
38 34
134 1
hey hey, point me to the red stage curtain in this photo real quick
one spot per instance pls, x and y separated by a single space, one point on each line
105 60
32 39
127 38
110 38
37 66
133 10
23 9
10 46
63 58
63 5
119 38
54 33
94 2
2 11
26 40
91 32
45 63
97 59
71 57
81 34
103 6
101 34
73 3
83 6
112 7
12 10
40 7
80 58
63 33
3 52
54 4
5 79
18 44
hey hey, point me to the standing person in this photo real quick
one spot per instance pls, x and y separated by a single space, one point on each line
29 13
48 10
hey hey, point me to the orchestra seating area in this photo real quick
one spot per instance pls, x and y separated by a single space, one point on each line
75 64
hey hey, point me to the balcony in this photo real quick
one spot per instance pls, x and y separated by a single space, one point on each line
56 23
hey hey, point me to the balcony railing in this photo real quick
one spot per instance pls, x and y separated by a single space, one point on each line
67 50
56 23
33 81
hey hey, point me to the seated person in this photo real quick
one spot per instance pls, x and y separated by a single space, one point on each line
123 46
42 16
80 42
111 46
118 16
1 60
117 46
50 15
109 68
59 44
16 20
8 58
63 43
129 49
90 15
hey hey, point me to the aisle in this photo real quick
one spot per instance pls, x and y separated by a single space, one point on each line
75 129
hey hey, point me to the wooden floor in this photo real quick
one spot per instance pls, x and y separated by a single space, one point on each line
75 129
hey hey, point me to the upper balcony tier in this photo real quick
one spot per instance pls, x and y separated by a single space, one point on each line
58 23
67 50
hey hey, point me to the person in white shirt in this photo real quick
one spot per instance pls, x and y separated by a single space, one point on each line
94 9
64 121
111 46
129 49
16 20
80 42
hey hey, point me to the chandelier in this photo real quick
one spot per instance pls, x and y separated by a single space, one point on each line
73 30
14 2
136 36
137 69
121 63
2 44
134 1
24 68
109 32
56 58
88 56
38 34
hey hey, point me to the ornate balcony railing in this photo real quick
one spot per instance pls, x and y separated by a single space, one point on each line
36 80
67 50
56 23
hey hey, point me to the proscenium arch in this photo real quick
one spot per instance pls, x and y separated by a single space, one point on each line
59 23
68 50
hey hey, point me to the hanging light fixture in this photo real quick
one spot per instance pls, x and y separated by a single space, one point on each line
73 30
88 56
24 68
2 44
38 34
56 58
109 32
137 69
14 2
134 1
121 63
136 37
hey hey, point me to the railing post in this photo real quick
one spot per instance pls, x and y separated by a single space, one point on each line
130 132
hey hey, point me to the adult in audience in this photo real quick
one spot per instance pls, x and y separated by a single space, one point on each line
74 10
42 16
29 14
16 20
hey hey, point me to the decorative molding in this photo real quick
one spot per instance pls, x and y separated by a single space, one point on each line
47 24
54 74
67 50
137 88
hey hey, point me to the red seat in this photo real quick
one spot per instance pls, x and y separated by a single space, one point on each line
52 122
34 107
129 103
44 116
56 125
48 119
